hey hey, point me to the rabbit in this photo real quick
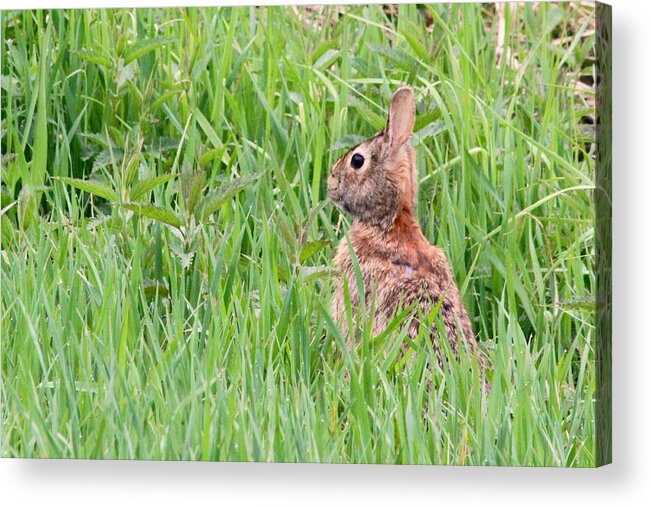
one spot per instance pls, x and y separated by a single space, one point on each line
376 184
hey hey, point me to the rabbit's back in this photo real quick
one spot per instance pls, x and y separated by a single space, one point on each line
398 273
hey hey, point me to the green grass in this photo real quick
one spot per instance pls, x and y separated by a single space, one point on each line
174 304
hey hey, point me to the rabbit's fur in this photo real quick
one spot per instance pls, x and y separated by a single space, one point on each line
398 265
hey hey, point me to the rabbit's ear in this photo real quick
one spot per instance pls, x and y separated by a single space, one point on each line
402 116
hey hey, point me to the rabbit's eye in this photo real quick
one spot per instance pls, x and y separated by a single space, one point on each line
357 161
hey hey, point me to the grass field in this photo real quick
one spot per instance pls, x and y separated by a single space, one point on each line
167 245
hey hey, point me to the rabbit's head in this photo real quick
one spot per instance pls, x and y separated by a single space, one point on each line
376 180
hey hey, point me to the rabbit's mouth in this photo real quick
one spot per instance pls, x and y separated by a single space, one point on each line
341 204
337 196
338 202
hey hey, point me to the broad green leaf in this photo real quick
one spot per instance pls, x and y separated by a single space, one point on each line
97 188
311 248
26 206
426 118
142 187
144 46
376 120
311 273
153 288
399 56
327 59
410 34
155 212
164 97
214 200
125 73
192 185
434 128
104 159
94 56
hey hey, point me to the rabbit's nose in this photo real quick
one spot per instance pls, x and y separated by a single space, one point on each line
333 188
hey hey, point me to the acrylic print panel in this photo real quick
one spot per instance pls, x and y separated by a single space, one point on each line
337 234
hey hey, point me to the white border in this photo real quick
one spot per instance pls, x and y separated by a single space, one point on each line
626 482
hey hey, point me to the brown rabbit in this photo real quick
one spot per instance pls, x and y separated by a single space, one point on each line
376 183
